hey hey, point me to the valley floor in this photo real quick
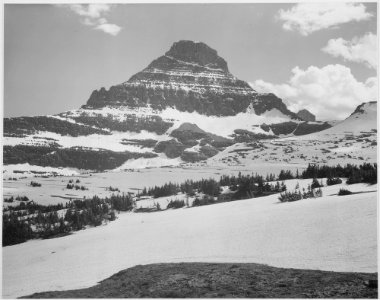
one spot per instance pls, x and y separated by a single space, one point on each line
332 233
53 189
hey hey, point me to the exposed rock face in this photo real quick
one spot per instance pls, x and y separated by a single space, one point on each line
199 53
189 77
294 128
171 148
362 108
305 115
188 135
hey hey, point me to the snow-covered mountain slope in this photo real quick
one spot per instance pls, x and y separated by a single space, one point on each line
339 237
135 120
353 141
362 120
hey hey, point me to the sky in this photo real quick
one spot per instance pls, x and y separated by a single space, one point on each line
322 57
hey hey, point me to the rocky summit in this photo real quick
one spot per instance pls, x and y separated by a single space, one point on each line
191 76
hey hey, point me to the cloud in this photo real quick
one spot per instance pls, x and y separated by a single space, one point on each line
90 10
109 28
307 18
330 92
362 50
92 15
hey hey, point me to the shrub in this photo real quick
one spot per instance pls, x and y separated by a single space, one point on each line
176 204
9 200
343 192
113 189
23 198
35 184
206 200
112 216
285 175
333 180
315 184
290 196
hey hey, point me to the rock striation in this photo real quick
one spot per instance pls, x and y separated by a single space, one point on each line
191 76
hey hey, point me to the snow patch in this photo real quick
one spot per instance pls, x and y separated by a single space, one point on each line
143 163
27 170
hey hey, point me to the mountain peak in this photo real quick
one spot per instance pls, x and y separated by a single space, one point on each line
198 53
191 76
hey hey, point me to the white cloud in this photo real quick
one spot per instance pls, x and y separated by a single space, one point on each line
90 10
362 49
331 92
310 17
92 15
109 28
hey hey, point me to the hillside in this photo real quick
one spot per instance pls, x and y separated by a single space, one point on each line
241 231
352 140
362 121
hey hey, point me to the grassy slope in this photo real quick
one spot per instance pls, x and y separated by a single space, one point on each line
191 280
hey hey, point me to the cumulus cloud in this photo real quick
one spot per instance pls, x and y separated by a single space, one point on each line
307 18
362 50
111 29
90 10
92 15
330 92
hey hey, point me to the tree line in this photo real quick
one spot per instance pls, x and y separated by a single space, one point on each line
30 220
242 186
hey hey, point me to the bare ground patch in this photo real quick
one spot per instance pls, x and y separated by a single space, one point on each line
225 280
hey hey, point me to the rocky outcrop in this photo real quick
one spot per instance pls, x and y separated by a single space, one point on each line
305 115
361 109
189 77
294 128
246 136
30 125
189 134
171 148
307 128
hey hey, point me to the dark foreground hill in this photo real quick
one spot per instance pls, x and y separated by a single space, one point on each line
225 280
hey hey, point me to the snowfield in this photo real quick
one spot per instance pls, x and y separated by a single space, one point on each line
155 162
329 233
27 170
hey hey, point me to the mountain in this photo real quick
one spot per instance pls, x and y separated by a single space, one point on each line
306 115
189 77
362 122
363 119
185 106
